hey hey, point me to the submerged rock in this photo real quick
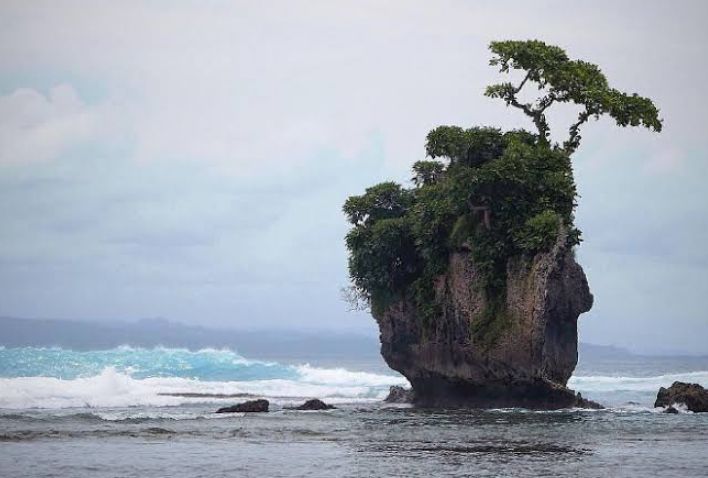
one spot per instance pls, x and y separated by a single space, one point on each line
314 404
398 394
524 360
249 406
671 410
692 395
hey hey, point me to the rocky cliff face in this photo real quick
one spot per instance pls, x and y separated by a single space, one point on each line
523 356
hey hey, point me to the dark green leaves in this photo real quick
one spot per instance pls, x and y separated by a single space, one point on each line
427 172
539 232
563 80
471 147
402 238
383 201
533 56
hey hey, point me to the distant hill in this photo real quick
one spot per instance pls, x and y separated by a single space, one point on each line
270 344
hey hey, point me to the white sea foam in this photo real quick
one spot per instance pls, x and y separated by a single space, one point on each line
630 394
343 377
638 384
127 376
114 389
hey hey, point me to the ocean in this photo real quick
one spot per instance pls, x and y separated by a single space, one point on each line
149 412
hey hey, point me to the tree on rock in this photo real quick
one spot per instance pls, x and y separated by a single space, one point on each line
497 197
562 81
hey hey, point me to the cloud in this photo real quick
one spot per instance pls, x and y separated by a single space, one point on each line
38 127
195 154
251 88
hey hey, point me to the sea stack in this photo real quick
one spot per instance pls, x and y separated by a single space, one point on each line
527 365
471 272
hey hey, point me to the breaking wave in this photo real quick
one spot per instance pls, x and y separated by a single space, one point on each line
622 391
56 378
123 377
651 384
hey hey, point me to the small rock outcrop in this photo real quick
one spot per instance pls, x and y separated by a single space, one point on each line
581 402
314 404
398 394
249 406
692 395
532 355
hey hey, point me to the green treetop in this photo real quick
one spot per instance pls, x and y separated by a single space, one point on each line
562 81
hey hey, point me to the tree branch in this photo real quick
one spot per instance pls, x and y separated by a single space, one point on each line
523 82
574 132
508 92
545 102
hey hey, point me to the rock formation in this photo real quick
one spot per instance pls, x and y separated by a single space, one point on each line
260 405
692 395
314 404
398 394
529 359
470 273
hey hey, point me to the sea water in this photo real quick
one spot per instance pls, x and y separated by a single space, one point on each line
150 412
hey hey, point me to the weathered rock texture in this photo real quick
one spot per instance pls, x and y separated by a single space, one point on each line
692 395
523 358
398 394
250 406
314 404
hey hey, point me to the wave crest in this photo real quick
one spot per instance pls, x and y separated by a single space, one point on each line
599 383
115 389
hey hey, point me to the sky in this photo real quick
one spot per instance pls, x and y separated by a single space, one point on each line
189 159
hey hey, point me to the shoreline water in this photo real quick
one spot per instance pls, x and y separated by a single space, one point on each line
352 441
36 377
135 412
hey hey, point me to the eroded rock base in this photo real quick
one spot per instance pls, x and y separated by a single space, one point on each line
540 395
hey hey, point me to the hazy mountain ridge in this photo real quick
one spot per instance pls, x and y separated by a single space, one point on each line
257 344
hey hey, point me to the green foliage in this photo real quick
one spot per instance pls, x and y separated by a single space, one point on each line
494 320
402 238
427 172
564 80
383 201
462 230
473 146
382 256
499 195
539 232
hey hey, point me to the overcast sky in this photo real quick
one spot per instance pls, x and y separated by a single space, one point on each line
189 160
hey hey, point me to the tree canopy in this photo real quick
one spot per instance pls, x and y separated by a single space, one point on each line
562 80
401 238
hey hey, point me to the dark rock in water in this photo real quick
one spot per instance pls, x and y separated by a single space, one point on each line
671 410
398 394
581 402
250 406
694 396
523 360
314 404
